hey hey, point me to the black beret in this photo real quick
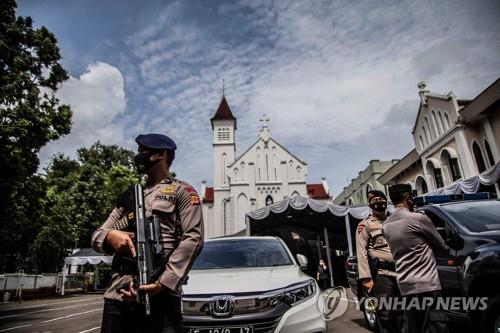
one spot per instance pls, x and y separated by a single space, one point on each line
376 193
400 188
156 141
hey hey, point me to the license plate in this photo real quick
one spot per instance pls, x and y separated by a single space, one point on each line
239 329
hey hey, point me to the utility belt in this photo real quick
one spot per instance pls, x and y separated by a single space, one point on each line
377 264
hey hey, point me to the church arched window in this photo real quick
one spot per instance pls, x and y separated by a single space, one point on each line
431 132
242 167
235 171
223 162
299 170
435 122
290 170
269 200
441 121
447 121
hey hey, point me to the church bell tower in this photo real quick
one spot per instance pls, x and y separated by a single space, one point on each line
224 149
223 142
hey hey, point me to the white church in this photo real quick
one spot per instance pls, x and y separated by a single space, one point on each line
265 173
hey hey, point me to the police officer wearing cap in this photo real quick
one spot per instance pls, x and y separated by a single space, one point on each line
177 205
414 239
375 262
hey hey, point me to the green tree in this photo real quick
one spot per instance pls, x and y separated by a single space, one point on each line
106 172
79 197
30 116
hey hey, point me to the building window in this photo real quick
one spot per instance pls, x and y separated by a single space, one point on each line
269 200
421 142
430 129
427 138
421 185
223 134
435 173
447 120
242 166
481 166
235 171
454 169
436 124
224 157
441 122
438 176
489 153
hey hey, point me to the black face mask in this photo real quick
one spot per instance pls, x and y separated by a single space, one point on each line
143 163
379 206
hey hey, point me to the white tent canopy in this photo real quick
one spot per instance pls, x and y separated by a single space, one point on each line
87 256
300 203
471 185
82 257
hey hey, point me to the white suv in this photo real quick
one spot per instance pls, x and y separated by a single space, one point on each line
250 285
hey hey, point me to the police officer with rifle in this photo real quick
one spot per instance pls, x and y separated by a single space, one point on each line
156 233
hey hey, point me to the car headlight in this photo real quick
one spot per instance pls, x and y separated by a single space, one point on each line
299 292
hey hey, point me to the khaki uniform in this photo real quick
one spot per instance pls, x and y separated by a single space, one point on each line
414 239
370 242
181 224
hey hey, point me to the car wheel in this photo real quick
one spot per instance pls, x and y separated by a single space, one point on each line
370 315
492 317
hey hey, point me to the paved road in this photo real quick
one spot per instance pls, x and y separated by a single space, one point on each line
74 314
351 321
82 314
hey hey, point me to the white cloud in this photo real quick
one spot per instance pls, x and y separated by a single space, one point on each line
97 99
331 74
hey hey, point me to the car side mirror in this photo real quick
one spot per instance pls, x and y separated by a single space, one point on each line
302 260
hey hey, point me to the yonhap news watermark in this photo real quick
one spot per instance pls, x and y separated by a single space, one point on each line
333 303
422 303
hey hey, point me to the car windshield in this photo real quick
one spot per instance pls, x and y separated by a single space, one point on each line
240 253
477 216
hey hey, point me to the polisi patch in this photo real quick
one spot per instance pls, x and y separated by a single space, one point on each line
170 198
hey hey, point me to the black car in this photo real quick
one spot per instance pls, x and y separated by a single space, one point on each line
471 268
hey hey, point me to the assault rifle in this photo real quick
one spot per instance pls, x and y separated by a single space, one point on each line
148 247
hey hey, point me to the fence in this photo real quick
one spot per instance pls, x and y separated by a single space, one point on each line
20 286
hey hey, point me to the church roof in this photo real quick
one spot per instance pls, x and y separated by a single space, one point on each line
223 112
236 160
316 191
209 195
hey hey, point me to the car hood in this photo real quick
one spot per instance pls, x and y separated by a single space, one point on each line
242 280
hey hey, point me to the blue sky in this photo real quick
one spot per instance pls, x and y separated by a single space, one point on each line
337 78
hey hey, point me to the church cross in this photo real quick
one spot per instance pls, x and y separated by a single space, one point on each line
264 120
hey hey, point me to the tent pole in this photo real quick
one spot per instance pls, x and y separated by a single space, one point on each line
247 222
348 232
329 257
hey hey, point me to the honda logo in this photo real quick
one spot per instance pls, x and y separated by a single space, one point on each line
221 306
